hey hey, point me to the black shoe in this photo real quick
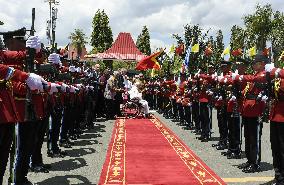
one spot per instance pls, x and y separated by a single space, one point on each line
252 168
206 139
65 145
221 147
234 156
39 169
244 165
226 153
200 138
215 145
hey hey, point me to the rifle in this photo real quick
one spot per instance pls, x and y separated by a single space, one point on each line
29 68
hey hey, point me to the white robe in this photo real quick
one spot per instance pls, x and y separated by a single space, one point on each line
134 93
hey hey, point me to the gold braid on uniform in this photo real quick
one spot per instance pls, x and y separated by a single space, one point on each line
277 87
246 88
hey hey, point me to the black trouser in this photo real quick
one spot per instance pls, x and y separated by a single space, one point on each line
180 111
100 103
54 130
41 128
110 108
187 115
204 119
175 108
6 135
117 101
223 124
234 126
25 143
159 102
277 146
195 115
252 133
67 123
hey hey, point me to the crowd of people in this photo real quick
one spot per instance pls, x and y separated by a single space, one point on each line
61 107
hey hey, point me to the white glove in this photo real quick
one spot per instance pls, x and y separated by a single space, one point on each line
53 88
264 98
35 82
277 72
72 89
63 87
234 75
219 78
72 69
233 98
33 42
220 98
241 78
195 89
213 76
78 70
269 67
210 93
91 87
226 80
259 96
54 58
79 86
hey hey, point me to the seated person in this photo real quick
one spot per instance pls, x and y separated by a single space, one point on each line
135 94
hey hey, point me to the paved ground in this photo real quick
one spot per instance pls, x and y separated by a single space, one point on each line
85 160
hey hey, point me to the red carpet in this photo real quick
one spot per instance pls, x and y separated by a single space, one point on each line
145 151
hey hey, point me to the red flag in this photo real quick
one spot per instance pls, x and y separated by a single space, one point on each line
266 51
208 51
180 49
149 62
237 52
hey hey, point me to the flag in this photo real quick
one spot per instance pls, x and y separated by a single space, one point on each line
187 56
266 52
208 51
252 51
237 52
172 49
149 62
180 49
195 48
226 51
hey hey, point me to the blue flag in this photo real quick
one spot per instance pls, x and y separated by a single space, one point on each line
187 56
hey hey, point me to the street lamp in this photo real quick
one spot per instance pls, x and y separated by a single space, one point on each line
51 23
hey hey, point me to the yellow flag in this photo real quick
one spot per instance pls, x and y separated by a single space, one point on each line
226 51
252 51
172 49
195 48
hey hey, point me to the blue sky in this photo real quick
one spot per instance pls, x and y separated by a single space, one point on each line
163 18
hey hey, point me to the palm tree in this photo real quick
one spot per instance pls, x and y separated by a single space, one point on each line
78 40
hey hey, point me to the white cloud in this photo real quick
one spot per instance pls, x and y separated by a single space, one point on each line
163 18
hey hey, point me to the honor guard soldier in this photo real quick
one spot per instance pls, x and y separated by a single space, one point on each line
253 108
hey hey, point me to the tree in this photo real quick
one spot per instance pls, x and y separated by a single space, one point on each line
260 24
1 23
218 46
143 41
237 37
277 36
78 40
101 38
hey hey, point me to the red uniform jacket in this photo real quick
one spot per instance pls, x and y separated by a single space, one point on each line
252 107
8 111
